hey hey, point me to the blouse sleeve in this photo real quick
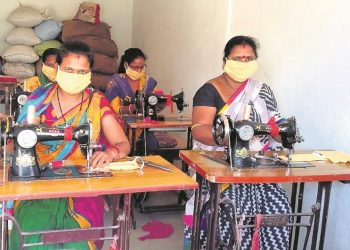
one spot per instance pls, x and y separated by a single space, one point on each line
208 96
106 109
113 95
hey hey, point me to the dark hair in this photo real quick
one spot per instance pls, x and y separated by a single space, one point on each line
49 52
75 47
241 40
129 56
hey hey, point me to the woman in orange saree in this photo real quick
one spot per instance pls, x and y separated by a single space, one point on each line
69 102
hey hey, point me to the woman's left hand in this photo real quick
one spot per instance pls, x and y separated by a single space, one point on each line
101 158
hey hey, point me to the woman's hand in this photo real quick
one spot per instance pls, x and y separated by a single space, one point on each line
101 158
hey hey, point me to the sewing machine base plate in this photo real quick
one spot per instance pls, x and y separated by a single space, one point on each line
68 173
262 164
292 165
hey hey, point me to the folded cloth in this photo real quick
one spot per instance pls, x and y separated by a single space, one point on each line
157 230
335 156
164 140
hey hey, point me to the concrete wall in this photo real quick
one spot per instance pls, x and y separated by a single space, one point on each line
183 40
303 56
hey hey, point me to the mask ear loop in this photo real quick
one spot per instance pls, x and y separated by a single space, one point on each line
224 62
139 161
126 65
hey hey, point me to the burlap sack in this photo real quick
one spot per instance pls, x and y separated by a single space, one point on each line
88 12
104 64
76 28
99 45
100 81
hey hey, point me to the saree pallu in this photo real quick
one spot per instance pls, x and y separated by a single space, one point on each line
62 213
248 198
35 82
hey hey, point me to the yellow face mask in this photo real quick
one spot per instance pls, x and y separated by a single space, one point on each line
135 75
72 83
240 71
49 72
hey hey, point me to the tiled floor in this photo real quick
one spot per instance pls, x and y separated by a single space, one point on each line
174 242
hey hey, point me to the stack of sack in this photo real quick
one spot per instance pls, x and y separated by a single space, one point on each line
33 33
88 28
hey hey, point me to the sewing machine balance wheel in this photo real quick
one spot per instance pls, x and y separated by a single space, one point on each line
221 129
152 100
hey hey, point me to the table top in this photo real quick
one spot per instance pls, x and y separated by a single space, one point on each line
127 181
160 124
217 173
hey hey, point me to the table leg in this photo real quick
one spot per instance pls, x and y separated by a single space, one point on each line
127 221
293 202
133 142
214 198
326 188
327 193
116 220
189 139
196 213
297 206
145 131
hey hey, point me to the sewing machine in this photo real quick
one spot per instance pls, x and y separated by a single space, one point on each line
17 100
180 103
24 163
236 136
146 105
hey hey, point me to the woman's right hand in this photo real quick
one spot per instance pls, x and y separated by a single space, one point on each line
129 109
132 108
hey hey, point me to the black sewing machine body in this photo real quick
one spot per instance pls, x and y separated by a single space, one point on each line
179 101
236 136
24 163
146 105
17 100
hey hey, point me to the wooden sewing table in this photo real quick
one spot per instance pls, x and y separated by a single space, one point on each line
122 182
324 172
172 124
169 124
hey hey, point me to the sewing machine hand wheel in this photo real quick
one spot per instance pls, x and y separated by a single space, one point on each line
221 130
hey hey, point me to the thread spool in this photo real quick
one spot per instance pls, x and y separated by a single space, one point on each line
30 114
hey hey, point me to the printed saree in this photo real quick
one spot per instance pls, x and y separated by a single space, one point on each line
62 213
35 82
248 198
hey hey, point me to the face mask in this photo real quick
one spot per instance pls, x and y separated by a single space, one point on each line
49 72
72 83
240 71
135 75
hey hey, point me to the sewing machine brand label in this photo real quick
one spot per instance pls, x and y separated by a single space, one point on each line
54 131
242 153
24 160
